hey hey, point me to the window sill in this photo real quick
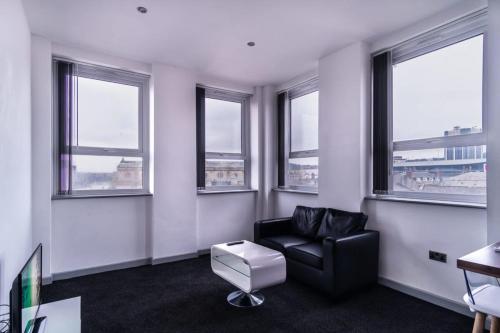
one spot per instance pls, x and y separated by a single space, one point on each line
290 190
426 202
90 196
203 192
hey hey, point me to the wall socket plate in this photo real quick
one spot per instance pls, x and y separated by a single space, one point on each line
438 256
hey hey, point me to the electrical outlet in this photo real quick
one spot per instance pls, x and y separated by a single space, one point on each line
437 256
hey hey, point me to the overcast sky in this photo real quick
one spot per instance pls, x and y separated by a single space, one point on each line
107 114
222 126
107 117
304 122
437 91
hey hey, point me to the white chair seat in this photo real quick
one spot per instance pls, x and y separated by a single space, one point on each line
487 299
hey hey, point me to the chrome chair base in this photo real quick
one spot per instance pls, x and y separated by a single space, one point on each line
243 300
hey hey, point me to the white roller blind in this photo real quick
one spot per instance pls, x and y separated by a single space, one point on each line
466 27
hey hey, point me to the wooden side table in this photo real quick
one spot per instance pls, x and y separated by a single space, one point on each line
483 261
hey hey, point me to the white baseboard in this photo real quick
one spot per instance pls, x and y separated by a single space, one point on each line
431 298
203 252
123 265
46 280
100 269
428 297
165 260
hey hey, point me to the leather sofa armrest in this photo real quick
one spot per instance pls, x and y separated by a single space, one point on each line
272 227
352 261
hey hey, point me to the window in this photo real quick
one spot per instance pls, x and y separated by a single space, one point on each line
298 113
435 125
223 140
102 122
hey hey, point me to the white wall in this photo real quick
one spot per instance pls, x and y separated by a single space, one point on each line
88 233
408 231
285 202
15 144
174 205
224 217
263 149
342 111
41 140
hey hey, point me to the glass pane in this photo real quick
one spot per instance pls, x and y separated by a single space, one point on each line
454 170
303 171
108 114
224 173
106 172
304 122
236 263
440 92
222 126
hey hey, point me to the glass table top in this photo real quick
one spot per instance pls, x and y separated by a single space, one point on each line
233 262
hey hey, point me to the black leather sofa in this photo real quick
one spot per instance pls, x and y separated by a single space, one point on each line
328 249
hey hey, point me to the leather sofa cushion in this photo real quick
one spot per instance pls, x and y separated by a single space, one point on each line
282 242
306 220
339 223
310 254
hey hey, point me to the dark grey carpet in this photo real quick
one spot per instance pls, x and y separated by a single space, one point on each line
187 297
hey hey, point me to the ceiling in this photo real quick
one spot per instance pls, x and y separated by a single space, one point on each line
211 35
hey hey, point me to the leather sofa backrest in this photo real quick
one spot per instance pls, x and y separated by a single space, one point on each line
338 223
306 220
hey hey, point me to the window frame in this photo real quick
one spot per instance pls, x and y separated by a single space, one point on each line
299 90
119 76
462 29
245 155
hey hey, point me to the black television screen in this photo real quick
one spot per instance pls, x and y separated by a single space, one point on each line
25 294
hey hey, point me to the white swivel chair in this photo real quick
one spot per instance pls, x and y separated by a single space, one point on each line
485 300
